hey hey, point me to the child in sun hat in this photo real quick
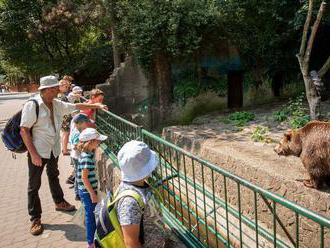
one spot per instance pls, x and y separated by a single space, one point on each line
89 140
78 124
75 94
137 162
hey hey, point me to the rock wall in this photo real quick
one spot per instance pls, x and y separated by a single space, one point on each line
126 90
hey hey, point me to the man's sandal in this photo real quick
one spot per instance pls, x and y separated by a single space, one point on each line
65 153
36 227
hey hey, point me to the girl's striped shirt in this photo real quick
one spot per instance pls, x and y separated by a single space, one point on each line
87 161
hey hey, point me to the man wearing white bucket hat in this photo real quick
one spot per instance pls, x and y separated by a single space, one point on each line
137 162
43 145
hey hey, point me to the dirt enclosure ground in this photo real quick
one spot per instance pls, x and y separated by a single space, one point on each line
233 149
213 132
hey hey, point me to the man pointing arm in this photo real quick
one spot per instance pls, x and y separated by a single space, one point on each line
42 138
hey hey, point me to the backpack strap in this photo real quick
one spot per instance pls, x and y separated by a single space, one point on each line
37 108
128 192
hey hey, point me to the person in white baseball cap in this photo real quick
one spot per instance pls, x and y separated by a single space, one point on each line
74 96
90 134
77 89
89 140
137 162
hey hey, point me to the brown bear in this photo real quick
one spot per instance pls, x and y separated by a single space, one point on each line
312 144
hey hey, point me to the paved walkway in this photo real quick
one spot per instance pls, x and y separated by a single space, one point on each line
60 231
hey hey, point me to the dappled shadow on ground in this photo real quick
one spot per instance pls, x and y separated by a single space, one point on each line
71 231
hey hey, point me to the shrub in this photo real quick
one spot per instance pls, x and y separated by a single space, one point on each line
184 90
281 115
261 134
294 112
202 104
299 121
241 118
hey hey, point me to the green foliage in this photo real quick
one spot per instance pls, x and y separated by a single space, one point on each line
39 37
184 90
241 118
295 106
294 112
261 134
176 28
281 115
261 30
173 28
299 121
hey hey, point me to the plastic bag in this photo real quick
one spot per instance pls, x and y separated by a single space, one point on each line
79 217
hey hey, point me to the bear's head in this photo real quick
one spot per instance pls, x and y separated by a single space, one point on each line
290 144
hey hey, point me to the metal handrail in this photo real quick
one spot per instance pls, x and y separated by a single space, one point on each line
175 207
272 196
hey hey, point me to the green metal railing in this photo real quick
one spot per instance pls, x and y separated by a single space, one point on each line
208 206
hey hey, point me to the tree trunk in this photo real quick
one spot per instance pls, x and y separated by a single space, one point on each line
115 50
164 91
235 89
114 22
313 98
312 80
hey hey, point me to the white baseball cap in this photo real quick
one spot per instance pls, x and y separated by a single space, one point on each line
48 82
77 89
136 161
91 134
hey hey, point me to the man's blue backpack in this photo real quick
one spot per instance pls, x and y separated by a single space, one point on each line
11 136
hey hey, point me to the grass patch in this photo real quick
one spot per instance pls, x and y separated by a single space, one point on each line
256 96
240 119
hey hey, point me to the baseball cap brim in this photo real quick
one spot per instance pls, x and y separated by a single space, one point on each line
102 137
81 118
49 86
